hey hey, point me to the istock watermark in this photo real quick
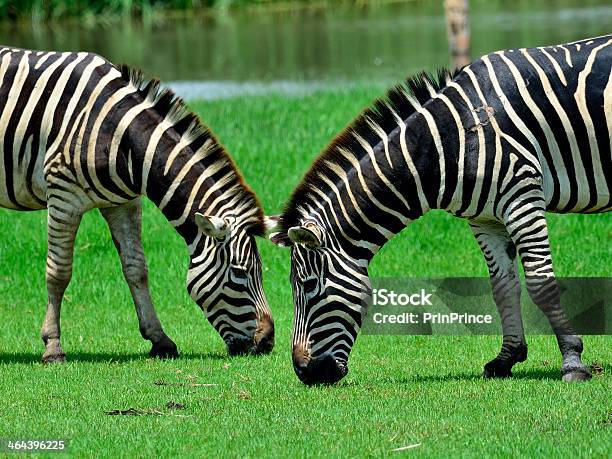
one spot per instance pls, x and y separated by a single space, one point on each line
32 445
459 306
383 297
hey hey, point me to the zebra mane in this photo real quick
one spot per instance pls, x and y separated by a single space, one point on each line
188 125
400 101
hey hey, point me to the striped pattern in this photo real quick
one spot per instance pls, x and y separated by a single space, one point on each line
511 136
79 133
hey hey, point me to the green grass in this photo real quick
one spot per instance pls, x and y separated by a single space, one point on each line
400 390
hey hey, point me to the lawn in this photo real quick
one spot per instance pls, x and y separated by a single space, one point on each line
400 390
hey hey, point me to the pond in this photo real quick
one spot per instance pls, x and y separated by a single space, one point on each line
376 42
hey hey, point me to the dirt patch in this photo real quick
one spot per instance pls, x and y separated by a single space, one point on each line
597 369
171 405
160 382
131 412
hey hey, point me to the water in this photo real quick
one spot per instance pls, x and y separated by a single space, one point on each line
289 52
212 90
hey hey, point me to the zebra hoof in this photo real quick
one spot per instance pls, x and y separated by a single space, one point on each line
497 369
576 374
164 350
48 359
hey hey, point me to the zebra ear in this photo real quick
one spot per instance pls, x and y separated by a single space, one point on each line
280 238
212 226
275 232
310 235
273 224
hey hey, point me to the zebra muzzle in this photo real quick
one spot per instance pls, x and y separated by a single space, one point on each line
239 345
264 336
324 369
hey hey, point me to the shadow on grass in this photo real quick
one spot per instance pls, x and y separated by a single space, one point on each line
537 374
547 373
105 357
542 374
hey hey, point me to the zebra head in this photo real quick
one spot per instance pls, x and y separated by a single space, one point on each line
330 293
225 280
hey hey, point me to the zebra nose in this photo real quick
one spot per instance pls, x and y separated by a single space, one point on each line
324 369
300 364
264 336
239 345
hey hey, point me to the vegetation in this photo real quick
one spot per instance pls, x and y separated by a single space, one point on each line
400 390
105 9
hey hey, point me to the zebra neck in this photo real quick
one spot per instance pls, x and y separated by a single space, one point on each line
191 172
378 195
176 173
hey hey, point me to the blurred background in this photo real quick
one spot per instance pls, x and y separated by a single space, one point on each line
289 46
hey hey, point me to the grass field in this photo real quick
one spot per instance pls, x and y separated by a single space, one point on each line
400 390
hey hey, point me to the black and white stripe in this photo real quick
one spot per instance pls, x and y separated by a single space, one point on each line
79 133
511 136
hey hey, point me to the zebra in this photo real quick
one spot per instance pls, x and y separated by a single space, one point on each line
80 133
498 143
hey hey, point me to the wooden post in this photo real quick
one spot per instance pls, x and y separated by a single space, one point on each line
458 30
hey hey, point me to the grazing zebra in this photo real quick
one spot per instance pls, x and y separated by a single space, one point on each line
511 136
80 133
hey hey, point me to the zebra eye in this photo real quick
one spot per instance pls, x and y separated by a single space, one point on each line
238 274
310 285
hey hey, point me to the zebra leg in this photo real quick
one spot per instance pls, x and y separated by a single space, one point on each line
124 223
530 234
500 254
62 226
